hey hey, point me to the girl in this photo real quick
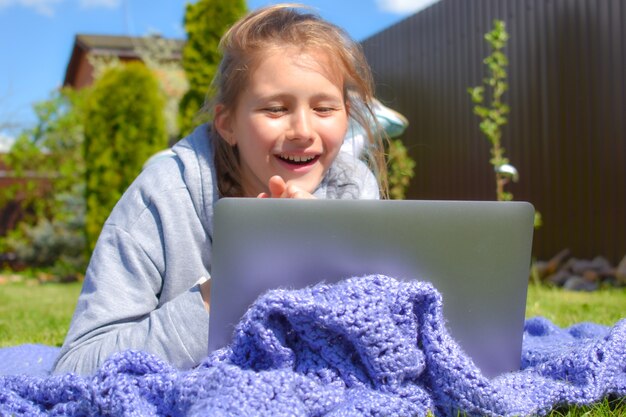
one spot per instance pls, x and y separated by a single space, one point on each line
286 88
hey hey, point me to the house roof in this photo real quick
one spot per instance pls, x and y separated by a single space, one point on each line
123 47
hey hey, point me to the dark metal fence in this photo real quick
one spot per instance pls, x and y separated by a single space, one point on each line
566 130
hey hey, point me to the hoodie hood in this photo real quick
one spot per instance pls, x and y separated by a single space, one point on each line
195 153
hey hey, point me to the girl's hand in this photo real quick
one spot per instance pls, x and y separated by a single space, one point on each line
280 189
205 291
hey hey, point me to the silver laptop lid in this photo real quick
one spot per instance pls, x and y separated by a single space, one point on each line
476 253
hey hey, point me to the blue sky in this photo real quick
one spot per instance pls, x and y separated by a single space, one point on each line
36 37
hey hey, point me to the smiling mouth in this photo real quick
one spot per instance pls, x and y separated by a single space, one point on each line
298 159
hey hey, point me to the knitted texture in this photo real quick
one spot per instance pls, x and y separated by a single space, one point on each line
370 346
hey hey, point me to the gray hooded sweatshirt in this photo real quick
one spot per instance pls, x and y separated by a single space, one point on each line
141 286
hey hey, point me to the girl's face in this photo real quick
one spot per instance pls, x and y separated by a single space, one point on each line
289 121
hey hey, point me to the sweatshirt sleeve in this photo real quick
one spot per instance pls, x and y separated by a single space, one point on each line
119 308
348 178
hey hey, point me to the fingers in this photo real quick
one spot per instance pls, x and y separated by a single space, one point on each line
278 188
295 192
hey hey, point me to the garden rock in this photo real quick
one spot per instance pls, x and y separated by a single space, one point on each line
620 272
576 283
575 274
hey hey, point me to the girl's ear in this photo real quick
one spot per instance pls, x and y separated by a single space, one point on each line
223 124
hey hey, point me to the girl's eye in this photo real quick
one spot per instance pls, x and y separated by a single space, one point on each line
275 110
324 110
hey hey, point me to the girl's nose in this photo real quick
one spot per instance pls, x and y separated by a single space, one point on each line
301 126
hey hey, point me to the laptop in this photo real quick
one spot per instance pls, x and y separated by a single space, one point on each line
476 253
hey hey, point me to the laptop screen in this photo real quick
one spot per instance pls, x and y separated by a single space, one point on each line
476 253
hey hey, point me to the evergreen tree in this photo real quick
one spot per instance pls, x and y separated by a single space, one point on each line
205 22
124 126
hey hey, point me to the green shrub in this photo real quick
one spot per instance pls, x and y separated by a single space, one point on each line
205 23
48 160
124 126
401 169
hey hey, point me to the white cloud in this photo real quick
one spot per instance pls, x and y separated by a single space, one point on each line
44 7
403 6
47 7
5 140
109 4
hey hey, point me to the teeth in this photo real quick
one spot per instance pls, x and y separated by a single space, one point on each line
297 158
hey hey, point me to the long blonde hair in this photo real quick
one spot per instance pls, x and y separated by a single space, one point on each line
244 46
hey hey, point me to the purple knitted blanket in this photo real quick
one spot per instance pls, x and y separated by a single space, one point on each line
363 347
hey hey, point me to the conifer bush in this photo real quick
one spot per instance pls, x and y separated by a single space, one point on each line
124 126
205 23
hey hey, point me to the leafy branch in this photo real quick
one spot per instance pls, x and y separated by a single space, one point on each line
492 110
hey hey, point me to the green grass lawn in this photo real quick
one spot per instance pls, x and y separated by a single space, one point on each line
564 308
41 313
36 313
